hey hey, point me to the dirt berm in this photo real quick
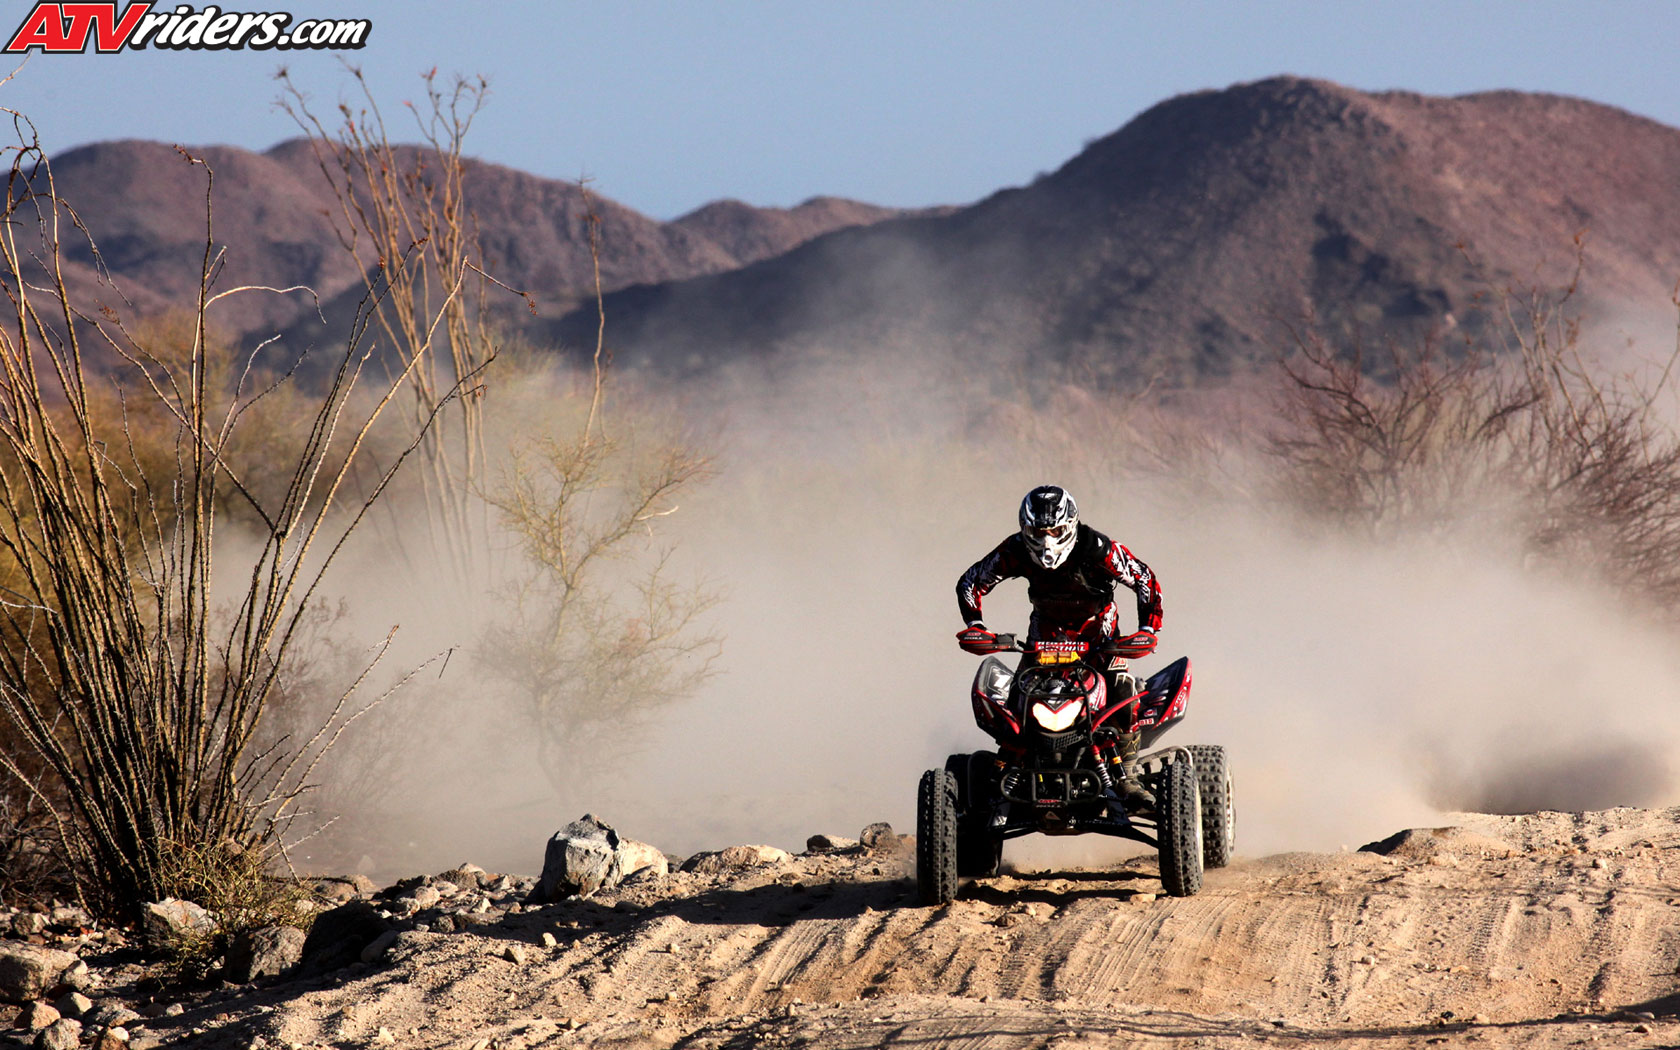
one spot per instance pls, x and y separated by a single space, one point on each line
1542 930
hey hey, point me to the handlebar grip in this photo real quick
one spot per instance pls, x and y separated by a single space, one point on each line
1007 641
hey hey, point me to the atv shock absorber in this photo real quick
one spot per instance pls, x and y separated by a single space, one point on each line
1102 768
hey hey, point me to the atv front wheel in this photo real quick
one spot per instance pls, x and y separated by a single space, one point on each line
1179 829
1219 819
936 837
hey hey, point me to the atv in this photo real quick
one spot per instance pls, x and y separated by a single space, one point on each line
1057 769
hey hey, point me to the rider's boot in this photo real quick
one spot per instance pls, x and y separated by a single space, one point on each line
1133 794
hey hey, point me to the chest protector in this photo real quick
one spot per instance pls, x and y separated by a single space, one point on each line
1078 588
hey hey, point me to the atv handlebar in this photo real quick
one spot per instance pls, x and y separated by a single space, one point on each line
1140 643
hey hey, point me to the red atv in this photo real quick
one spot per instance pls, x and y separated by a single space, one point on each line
1057 768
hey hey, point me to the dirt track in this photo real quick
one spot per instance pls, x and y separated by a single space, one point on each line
1544 930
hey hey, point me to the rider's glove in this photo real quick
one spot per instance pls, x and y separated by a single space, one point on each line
1140 643
975 638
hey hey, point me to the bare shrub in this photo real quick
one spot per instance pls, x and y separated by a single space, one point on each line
1524 427
131 669
402 216
602 634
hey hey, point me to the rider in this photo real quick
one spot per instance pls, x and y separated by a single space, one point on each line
1071 571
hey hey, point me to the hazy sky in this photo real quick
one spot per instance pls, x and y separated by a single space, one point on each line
669 105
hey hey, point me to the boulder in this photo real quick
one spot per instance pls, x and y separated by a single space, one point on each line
112 1038
109 1014
338 936
63 1034
879 838
345 888
636 857
78 978
734 858
266 952
589 855
29 924
829 844
168 923
36 1016
466 877
28 971
381 944
73 1004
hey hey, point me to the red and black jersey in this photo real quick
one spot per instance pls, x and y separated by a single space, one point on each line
1076 596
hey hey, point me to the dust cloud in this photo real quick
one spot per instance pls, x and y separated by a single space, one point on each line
1359 687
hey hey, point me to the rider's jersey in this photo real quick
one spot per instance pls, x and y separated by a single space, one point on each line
1075 598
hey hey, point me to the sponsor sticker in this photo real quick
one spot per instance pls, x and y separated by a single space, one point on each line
68 28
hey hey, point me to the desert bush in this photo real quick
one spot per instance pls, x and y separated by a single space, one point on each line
135 668
408 203
1525 427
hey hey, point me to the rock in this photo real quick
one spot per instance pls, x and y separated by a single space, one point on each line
73 1004
734 859
342 888
169 923
639 857
29 924
113 1038
515 954
466 876
63 1034
28 971
377 948
70 917
144 1039
652 875
879 837
266 952
109 1014
36 1016
585 856
426 897
338 936
78 978
829 844
578 859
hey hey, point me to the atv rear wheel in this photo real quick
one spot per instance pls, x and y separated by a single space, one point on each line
1219 819
936 837
979 851
1179 829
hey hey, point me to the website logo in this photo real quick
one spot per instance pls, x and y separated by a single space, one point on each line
68 28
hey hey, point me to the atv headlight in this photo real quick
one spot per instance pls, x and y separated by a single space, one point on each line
1055 721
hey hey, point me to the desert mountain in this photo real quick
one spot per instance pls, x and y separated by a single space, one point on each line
1173 246
1175 243
144 204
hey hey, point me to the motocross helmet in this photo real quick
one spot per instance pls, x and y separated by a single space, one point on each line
1049 524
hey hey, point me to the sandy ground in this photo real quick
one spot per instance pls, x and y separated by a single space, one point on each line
1542 930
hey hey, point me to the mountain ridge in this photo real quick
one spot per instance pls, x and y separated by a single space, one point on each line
1174 246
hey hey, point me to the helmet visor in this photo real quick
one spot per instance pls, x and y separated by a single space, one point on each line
1050 534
